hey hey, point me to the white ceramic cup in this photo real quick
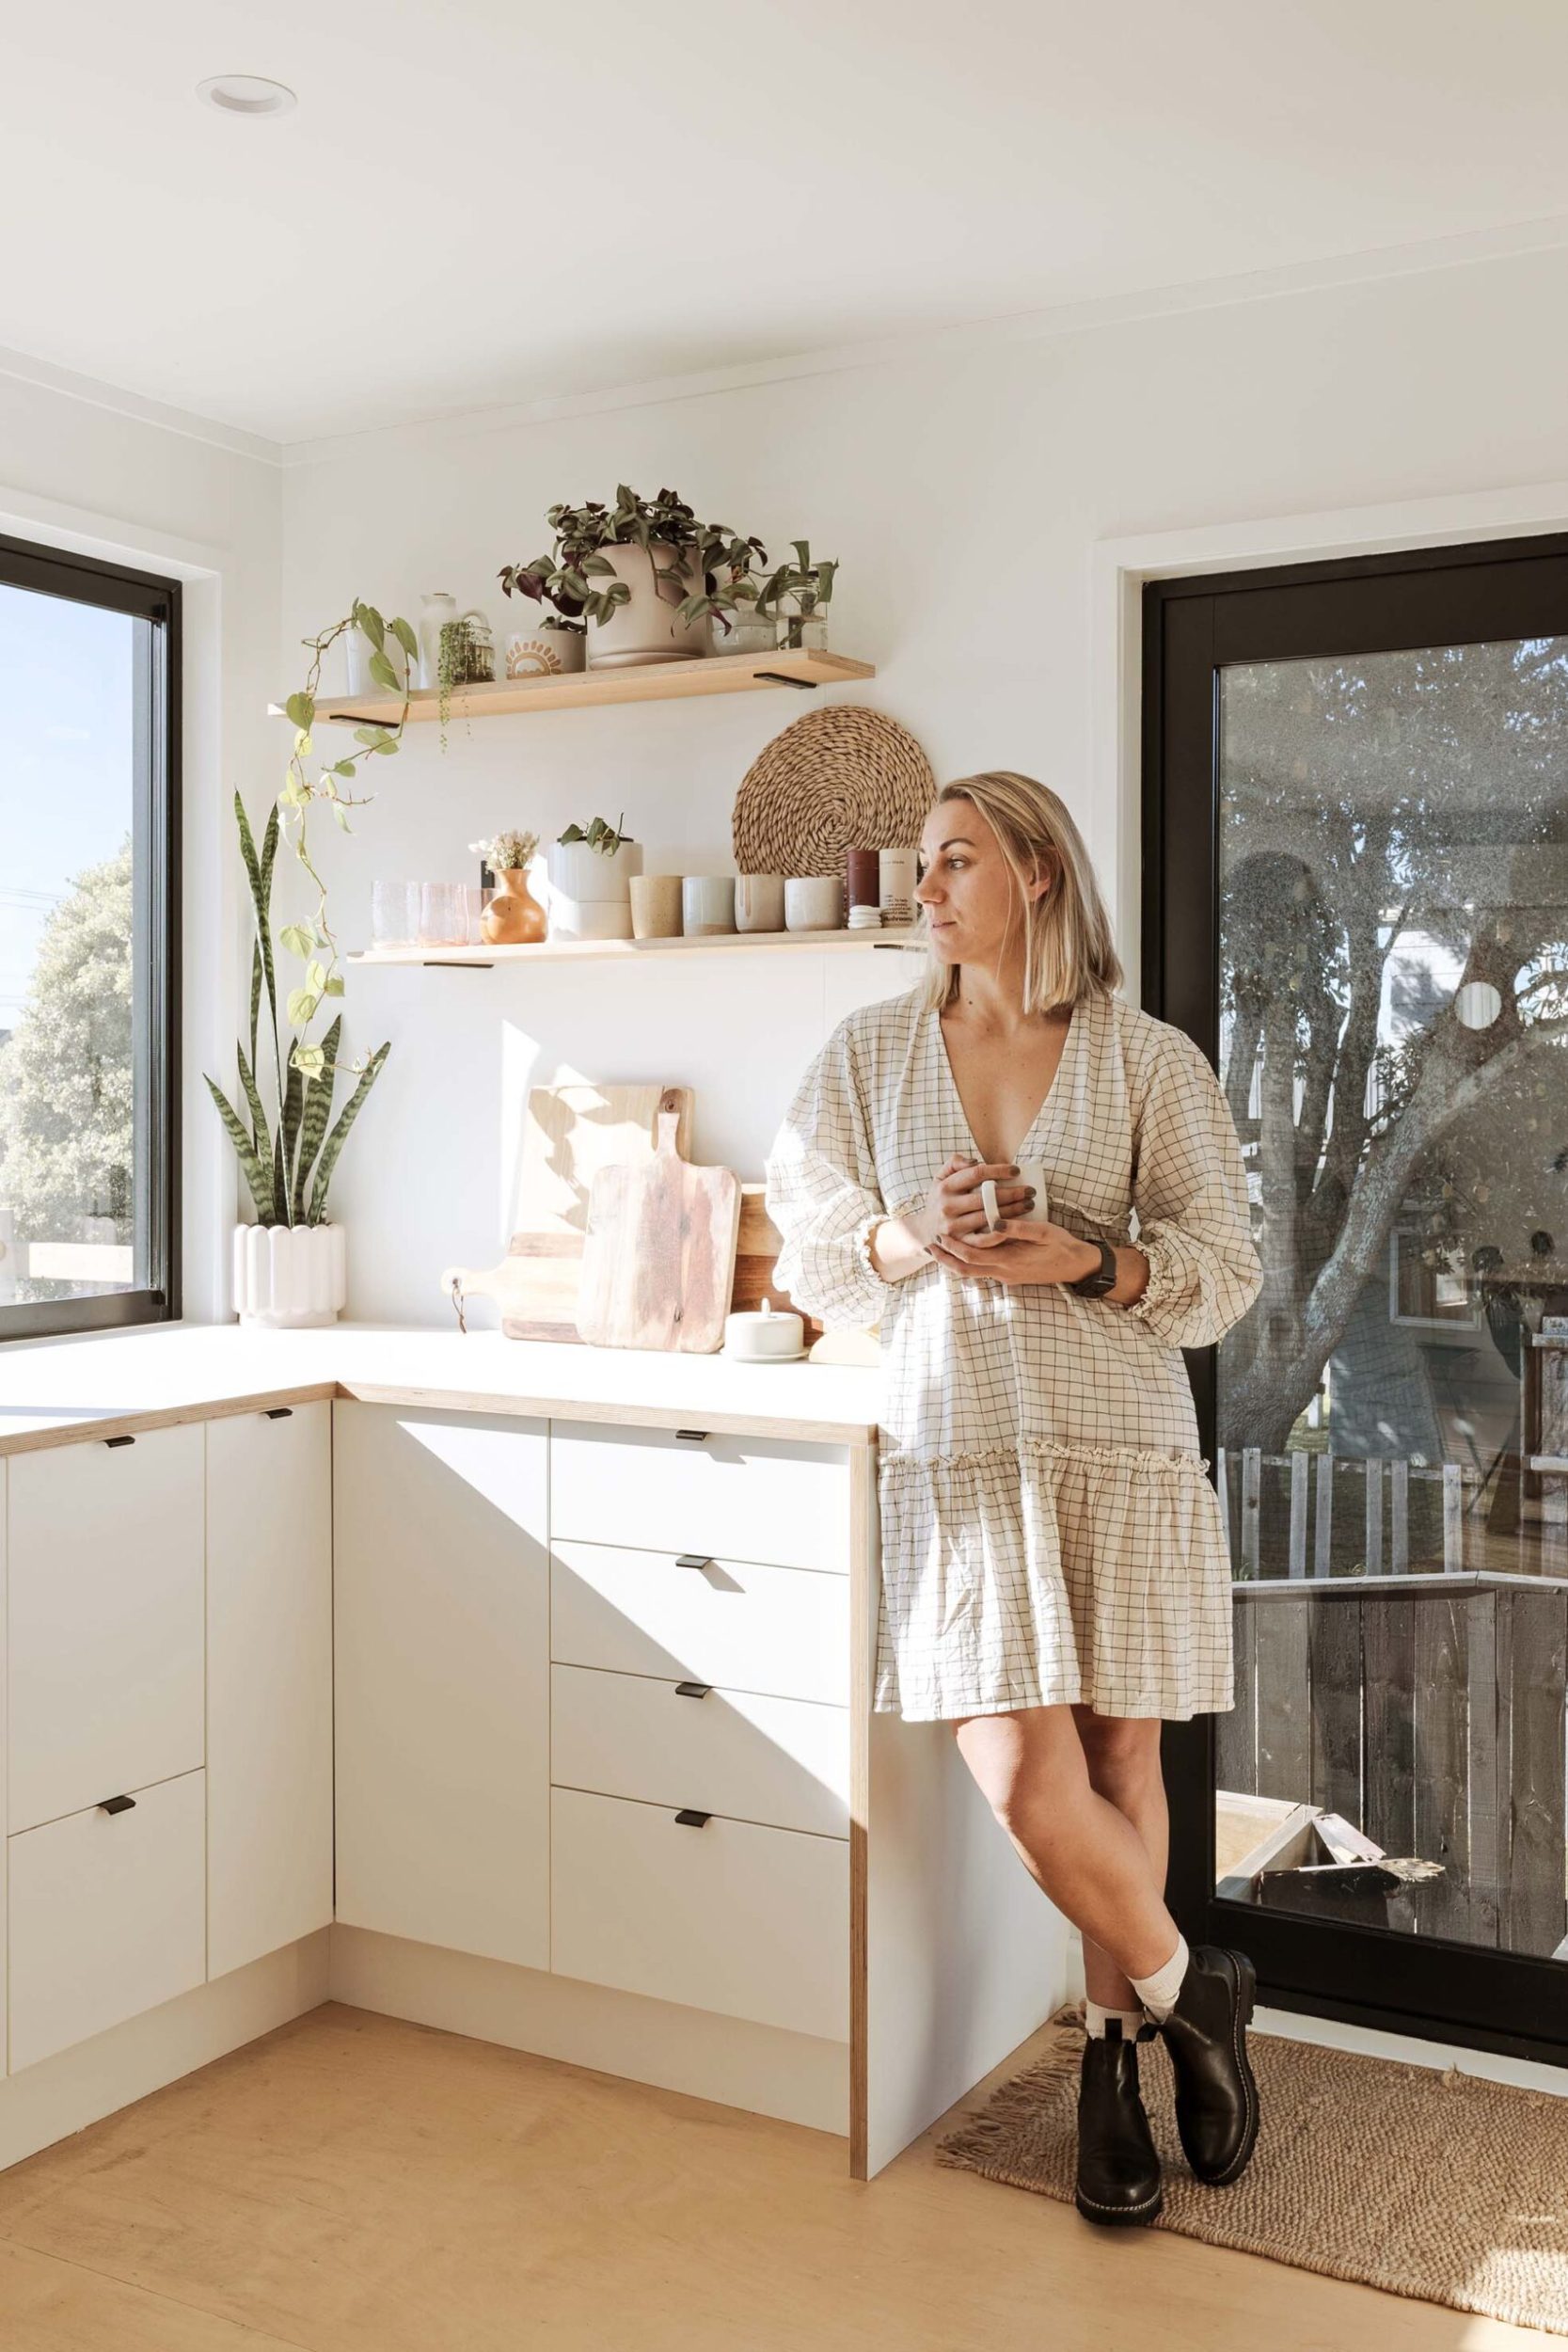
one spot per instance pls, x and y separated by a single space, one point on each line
814 902
759 902
707 904
1031 1173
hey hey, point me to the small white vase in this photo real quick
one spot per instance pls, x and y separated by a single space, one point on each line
290 1278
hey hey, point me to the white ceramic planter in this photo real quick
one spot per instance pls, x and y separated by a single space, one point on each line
577 872
590 918
290 1278
649 628
544 652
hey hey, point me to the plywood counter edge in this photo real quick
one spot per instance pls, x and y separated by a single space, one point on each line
430 1398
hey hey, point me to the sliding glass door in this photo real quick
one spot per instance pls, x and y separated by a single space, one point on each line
1356 901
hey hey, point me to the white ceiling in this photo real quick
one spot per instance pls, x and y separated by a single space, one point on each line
492 201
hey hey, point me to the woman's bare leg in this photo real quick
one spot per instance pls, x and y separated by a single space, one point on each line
1123 1759
1077 1845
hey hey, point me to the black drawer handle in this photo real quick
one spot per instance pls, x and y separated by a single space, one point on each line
688 1819
119 1442
695 1560
692 1689
277 1412
697 1437
118 1804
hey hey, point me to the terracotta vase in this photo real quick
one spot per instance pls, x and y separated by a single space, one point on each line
514 917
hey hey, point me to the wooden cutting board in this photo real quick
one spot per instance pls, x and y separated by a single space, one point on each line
569 1133
658 1257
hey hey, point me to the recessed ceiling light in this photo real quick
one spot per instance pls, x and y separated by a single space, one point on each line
246 94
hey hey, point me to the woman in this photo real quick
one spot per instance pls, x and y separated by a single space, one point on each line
1055 1579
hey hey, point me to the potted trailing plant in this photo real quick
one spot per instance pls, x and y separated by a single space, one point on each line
630 567
797 594
591 872
514 917
290 1265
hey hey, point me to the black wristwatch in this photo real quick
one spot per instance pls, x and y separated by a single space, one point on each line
1100 1279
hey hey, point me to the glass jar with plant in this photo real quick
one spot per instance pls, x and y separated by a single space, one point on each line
513 917
290 1268
798 593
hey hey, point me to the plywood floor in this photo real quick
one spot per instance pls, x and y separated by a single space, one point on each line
351 2183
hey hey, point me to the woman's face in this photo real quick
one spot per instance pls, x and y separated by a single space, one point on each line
966 885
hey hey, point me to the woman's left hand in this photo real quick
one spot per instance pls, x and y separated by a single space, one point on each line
1020 1252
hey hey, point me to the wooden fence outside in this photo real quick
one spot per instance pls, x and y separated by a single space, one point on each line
1427 1703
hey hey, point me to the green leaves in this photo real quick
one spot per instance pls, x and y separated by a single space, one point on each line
258 1178
301 708
299 940
384 673
406 638
302 1005
319 1079
335 1141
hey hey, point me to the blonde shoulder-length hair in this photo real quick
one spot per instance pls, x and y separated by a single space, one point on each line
1067 949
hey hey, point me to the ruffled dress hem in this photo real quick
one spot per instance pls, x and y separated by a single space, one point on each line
1053 1574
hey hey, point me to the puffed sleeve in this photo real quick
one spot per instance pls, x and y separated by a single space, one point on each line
821 1193
1189 1188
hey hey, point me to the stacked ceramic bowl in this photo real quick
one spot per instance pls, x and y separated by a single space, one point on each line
590 893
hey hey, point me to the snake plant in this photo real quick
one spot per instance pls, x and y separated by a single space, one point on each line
287 1163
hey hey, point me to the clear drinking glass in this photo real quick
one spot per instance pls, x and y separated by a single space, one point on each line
394 913
443 914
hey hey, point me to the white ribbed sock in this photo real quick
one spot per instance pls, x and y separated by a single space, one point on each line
1096 2020
1158 1993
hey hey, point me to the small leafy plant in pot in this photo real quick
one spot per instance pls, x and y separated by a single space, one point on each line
630 567
591 872
290 1265
556 646
514 917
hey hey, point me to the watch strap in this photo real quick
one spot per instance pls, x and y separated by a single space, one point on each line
1100 1279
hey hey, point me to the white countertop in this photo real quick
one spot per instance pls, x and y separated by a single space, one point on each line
102 1384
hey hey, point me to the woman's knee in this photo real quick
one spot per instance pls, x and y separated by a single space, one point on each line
1121 1751
1029 1772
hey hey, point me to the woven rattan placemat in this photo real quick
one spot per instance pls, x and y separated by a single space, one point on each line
1443 2186
841 778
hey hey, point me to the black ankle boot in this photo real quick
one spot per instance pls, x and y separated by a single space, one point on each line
1216 2097
1118 2172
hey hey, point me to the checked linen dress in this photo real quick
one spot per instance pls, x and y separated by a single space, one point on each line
1049 1532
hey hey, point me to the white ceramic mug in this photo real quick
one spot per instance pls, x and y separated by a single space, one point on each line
814 902
1031 1173
759 902
707 904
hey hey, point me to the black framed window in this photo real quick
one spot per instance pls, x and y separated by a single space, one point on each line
90 982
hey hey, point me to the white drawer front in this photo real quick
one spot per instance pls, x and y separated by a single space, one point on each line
748 1922
107 1916
106 1620
779 1761
745 1498
780 1630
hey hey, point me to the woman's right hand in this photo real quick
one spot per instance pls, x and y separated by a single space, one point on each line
953 1209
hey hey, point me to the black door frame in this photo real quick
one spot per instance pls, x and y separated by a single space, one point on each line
1192 626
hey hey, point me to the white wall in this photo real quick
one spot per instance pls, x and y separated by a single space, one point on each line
81 469
966 499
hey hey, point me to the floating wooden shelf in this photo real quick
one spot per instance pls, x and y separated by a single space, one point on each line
569 950
654 681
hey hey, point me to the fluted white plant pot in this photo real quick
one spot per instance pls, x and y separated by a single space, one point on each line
290 1278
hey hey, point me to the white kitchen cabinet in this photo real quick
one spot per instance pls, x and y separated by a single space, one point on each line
107 1915
442 1675
751 1628
106 1610
269 1682
751 1922
784 1763
782 1500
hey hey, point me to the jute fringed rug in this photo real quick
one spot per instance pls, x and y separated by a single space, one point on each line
1442 2186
